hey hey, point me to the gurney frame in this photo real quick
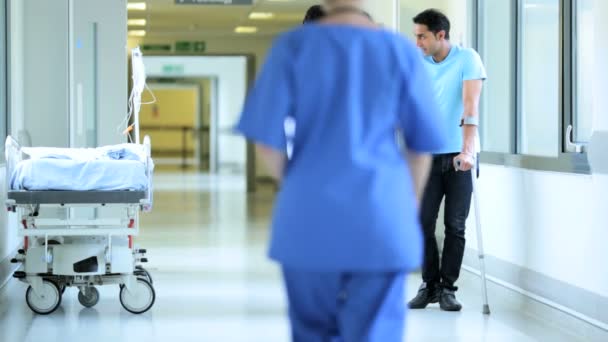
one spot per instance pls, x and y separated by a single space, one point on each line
49 264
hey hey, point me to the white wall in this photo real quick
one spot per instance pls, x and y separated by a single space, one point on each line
230 73
547 222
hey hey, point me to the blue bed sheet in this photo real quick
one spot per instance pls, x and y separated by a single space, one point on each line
118 167
75 175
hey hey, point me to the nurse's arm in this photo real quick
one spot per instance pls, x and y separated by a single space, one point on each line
471 95
273 160
420 167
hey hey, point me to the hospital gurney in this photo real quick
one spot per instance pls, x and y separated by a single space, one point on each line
79 251
78 215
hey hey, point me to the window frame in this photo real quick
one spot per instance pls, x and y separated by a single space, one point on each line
573 7
567 161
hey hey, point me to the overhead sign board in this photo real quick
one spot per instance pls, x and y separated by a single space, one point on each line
156 47
187 46
214 2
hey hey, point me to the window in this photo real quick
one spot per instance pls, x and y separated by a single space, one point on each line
583 57
539 95
539 56
496 42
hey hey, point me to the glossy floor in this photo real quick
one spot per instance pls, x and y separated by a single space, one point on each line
206 241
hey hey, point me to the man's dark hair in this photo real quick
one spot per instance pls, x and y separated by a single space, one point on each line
313 14
435 21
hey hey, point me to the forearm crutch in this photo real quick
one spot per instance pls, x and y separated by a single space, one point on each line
480 251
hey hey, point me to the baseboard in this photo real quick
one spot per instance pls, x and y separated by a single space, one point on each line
580 311
7 269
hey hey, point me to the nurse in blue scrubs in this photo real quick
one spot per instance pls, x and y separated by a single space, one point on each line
345 227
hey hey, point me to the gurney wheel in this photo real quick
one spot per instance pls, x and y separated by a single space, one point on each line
142 272
48 302
140 299
90 299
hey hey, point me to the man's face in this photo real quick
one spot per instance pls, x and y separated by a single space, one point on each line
427 41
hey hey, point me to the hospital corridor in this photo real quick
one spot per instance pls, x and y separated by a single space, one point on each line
164 179
206 240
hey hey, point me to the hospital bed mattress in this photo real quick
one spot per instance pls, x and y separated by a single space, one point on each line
78 175
76 197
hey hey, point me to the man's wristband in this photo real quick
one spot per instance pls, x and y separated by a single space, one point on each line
470 121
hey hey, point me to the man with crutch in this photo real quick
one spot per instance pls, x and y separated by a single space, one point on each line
457 75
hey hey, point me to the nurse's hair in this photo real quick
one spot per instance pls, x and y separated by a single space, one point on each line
359 4
313 14
435 20
330 3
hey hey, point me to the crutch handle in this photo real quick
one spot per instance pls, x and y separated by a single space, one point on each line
458 163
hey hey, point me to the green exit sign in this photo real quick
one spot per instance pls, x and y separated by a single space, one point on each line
188 46
156 47
173 69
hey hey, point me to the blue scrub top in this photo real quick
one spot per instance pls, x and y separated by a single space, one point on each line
347 201
448 76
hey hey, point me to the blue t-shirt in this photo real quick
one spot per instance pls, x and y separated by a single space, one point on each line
462 64
347 200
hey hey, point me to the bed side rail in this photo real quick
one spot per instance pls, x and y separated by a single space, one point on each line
147 145
12 153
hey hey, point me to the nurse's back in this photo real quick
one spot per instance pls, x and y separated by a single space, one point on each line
347 200
347 82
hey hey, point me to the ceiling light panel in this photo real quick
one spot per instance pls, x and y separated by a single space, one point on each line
246 29
261 15
136 6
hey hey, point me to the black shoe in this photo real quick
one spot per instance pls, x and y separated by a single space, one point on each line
448 302
427 294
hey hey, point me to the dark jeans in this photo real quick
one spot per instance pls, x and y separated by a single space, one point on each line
457 188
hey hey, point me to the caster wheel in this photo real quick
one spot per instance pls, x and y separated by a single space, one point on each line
45 302
90 299
140 299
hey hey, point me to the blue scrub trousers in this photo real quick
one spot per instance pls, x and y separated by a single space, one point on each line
346 307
